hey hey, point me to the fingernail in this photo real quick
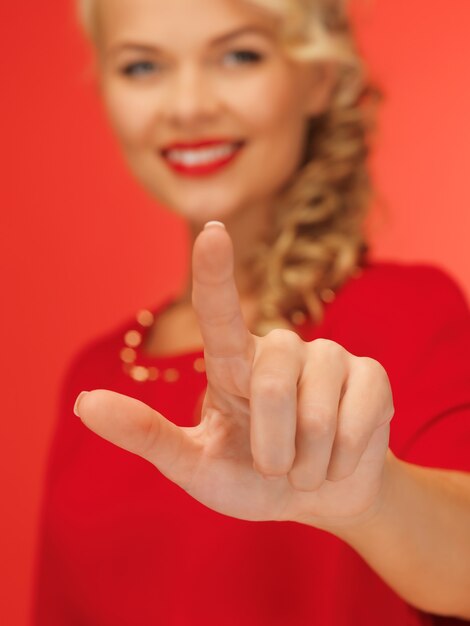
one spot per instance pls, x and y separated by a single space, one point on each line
77 402
214 223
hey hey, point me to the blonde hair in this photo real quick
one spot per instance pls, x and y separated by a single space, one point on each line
317 238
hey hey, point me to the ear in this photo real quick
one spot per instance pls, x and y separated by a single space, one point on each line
321 82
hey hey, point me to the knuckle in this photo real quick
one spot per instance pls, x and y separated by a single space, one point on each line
283 337
372 368
222 318
328 347
374 374
271 386
349 440
151 433
319 421
387 415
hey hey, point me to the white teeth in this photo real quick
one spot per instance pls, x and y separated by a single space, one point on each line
201 155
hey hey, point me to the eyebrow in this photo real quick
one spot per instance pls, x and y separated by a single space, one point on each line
143 47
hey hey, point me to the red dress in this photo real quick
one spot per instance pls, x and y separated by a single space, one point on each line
123 546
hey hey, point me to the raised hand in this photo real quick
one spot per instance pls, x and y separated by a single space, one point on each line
289 431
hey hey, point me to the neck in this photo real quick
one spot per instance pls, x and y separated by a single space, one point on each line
177 328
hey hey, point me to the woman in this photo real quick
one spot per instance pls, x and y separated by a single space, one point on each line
264 391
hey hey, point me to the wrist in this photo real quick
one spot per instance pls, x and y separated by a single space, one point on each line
355 527
352 526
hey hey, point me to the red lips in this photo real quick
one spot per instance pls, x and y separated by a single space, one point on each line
199 143
203 168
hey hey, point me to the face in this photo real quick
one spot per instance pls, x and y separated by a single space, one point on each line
210 112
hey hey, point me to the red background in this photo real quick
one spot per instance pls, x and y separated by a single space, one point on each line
82 245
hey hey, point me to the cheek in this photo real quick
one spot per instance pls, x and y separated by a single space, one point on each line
129 115
275 122
269 103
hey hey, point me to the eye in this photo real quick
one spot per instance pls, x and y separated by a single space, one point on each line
138 69
242 57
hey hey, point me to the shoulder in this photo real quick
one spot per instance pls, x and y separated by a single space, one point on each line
100 361
394 279
403 289
108 346
391 303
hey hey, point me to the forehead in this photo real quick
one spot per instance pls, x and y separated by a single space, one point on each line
178 21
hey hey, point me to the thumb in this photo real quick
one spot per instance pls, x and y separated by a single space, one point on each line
134 426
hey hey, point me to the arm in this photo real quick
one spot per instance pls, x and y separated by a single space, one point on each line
315 420
419 539
419 542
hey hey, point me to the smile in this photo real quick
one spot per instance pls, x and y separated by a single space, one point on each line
201 160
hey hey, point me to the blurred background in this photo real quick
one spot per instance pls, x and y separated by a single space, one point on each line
82 247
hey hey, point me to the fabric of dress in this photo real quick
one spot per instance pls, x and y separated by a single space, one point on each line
123 546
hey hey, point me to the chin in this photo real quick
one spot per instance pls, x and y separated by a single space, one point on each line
203 209
202 214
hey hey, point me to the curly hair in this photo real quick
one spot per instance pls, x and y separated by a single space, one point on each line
317 238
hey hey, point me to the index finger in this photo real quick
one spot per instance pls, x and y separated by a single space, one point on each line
215 296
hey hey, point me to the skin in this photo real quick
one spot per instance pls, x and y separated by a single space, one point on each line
290 430
298 431
193 87
271 408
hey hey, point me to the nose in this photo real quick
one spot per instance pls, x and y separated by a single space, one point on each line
191 97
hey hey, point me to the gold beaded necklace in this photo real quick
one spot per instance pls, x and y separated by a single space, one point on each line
134 337
142 373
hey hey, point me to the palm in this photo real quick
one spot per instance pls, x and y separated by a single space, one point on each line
245 422
224 479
